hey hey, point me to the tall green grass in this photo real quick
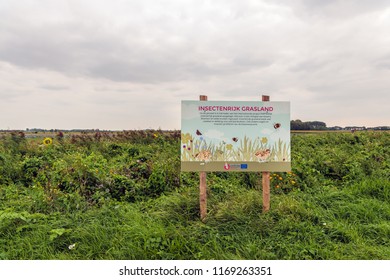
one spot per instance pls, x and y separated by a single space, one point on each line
120 199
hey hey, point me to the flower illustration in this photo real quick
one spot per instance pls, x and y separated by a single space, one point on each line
186 137
262 155
264 140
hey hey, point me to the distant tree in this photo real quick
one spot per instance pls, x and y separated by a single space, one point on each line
312 125
297 125
317 125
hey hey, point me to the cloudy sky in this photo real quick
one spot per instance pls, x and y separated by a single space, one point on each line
127 64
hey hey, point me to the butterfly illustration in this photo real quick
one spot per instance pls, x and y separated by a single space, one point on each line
235 139
198 132
277 125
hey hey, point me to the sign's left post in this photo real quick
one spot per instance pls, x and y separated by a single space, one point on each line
203 184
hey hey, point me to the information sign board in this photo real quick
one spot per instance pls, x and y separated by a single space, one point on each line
235 136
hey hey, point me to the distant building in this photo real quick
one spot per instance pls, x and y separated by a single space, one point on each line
380 128
355 128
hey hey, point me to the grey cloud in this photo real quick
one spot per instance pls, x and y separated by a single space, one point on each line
320 52
311 65
252 61
340 8
139 51
107 56
55 87
63 48
383 62
109 101
139 70
13 94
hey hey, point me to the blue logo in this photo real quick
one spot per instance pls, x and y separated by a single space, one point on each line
244 166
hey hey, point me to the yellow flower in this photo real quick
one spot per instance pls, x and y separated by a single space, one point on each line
229 147
280 178
186 137
47 141
155 135
264 140
293 182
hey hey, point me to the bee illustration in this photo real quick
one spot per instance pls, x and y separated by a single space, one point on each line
203 155
198 132
277 125
263 155
235 139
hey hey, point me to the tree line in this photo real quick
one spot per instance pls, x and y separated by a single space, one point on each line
318 125
310 125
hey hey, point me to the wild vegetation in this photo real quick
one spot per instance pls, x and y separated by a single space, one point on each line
122 196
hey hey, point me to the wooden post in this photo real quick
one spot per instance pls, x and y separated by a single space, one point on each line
266 179
202 184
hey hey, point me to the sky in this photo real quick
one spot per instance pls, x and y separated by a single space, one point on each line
128 64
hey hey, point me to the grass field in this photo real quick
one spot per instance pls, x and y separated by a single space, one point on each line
122 196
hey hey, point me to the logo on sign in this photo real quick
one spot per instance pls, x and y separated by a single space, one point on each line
244 166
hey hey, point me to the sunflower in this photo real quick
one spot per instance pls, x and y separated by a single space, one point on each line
47 141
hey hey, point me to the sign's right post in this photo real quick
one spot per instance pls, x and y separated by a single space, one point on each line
266 179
